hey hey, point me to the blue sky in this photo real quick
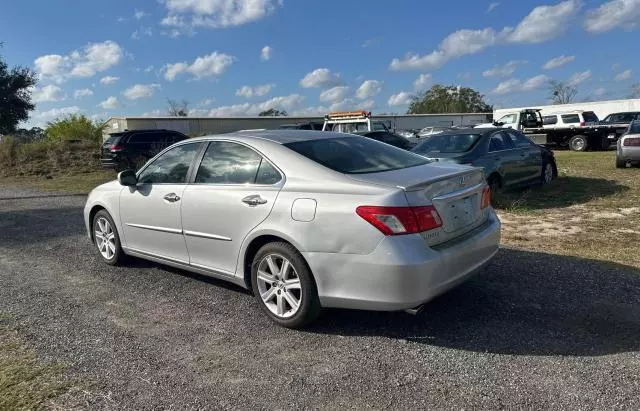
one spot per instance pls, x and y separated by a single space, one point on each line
238 57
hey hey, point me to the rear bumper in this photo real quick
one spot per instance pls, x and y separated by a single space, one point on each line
629 153
402 272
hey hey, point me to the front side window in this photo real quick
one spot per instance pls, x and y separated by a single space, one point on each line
231 163
508 119
171 167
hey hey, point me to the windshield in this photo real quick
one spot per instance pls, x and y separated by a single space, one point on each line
634 128
378 126
356 155
447 143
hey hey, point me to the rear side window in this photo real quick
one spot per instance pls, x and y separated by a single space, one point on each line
499 142
634 128
519 140
590 117
228 163
548 120
356 155
570 118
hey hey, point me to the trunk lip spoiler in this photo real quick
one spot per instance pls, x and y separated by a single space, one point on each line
420 186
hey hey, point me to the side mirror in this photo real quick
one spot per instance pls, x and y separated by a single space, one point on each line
498 123
128 178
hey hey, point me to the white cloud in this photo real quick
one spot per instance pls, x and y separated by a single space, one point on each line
108 80
403 98
109 104
139 91
492 6
289 103
84 92
367 104
374 41
40 119
542 24
198 112
189 14
47 94
52 66
96 58
258 91
265 53
368 89
578 78
535 82
152 113
599 92
139 14
625 75
214 64
613 14
334 94
558 62
545 22
422 81
321 77
207 102
515 85
144 31
149 69
505 70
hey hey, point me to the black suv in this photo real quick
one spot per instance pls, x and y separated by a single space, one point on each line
131 149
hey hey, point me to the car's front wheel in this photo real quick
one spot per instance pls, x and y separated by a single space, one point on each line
283 284
106 238
547 173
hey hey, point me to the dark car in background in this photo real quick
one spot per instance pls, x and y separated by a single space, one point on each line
389 138
131 149
508 157
302 126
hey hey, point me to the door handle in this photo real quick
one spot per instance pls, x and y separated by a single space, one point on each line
254 200
172 197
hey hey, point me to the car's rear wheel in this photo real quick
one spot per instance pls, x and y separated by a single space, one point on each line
547 173
106 238
620 163
579 143
283 284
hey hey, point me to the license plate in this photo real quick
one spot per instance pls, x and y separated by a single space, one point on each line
462 212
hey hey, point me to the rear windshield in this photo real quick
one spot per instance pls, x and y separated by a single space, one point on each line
447 143
113 139
589 116
356 155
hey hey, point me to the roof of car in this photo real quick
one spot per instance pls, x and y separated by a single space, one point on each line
280 136
483 131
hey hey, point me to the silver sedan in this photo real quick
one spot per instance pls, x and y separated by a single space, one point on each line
304 219
628 148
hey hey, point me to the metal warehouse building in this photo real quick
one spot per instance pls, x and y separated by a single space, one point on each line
198 126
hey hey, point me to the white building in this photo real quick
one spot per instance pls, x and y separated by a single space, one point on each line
198 126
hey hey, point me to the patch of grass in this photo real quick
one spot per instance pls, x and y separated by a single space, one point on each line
592 210
26 383
70 183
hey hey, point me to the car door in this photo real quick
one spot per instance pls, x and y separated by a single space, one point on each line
150 212
531 156
233 191
505 158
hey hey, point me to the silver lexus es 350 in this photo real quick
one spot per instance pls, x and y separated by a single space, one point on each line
304 219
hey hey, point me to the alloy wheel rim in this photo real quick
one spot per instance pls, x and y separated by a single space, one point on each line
578 144
548 173
105 238
279 286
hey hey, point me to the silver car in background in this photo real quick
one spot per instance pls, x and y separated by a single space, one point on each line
304 219
628 146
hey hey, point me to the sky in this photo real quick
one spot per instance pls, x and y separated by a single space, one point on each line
309 57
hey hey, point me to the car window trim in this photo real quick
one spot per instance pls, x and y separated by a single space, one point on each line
171 147
192 177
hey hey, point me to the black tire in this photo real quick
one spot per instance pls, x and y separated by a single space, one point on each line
495 185
579 143
309 308
544 177
118 256
620 163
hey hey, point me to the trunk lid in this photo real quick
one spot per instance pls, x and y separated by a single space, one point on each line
454 190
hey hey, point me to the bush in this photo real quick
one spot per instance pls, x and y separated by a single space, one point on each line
74 127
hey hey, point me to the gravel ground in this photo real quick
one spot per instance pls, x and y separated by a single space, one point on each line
534 330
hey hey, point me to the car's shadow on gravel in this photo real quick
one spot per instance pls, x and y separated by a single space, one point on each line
28 226
525 303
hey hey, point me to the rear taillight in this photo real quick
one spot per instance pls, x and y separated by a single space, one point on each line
401 220
116 147
582 123
631 142
486 198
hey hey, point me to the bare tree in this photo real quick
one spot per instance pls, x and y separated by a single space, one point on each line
178 108
561 92
635 91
